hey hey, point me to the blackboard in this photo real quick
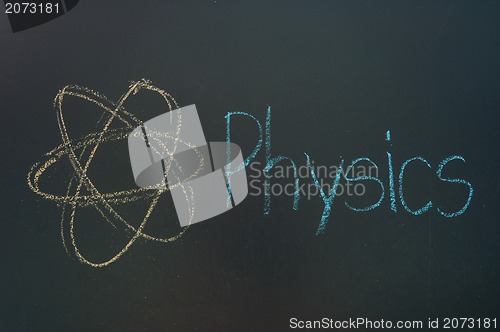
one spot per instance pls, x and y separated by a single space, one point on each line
342 80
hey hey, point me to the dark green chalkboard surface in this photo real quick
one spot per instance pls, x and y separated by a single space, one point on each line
338 78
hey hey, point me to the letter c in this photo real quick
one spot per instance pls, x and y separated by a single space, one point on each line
401 195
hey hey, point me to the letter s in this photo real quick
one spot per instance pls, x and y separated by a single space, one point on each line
362 178
439 173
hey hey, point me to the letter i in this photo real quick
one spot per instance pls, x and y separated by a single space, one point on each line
391 175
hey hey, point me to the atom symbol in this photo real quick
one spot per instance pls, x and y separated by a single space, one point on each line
103 202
